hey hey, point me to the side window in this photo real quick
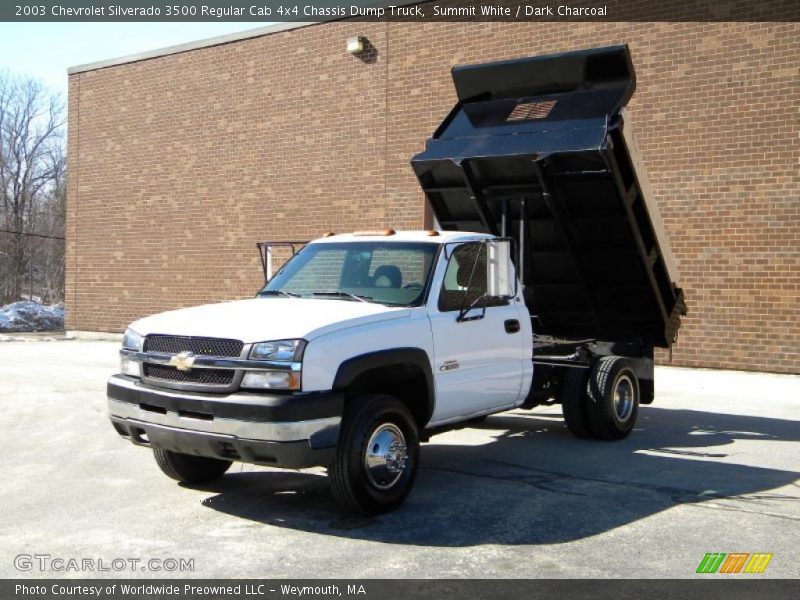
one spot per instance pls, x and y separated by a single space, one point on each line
465 280
466 262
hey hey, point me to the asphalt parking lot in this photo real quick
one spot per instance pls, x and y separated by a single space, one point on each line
713 466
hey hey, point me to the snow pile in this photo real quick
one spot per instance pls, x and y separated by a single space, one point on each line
31 316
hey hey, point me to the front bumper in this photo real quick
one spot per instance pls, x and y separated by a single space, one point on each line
283 430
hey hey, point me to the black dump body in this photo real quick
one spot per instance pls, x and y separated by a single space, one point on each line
535 149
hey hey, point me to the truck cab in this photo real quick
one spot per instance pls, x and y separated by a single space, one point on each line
401 322
549 280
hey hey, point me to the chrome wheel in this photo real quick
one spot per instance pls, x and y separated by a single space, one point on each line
386 456
612 405
624 397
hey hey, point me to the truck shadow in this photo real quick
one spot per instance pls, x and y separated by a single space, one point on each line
536 484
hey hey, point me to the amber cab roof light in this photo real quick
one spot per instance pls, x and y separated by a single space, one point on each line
378 232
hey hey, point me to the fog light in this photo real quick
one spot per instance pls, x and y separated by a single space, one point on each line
130 367
271 380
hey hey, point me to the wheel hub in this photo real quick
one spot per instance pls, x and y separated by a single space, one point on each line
624 392
386 456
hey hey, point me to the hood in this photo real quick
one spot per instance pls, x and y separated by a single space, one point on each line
263 319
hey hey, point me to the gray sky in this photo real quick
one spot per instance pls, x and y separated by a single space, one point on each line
45 50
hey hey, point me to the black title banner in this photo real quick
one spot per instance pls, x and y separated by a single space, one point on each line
371 10
394 589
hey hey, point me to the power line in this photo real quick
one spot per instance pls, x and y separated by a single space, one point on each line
39 235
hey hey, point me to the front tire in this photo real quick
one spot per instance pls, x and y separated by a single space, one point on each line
614 394
377 457
190 469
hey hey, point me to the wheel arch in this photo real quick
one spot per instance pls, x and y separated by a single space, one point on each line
402 372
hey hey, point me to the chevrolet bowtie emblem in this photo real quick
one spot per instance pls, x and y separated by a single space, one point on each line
183 361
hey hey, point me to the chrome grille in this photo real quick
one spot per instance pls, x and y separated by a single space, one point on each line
200 346
221 377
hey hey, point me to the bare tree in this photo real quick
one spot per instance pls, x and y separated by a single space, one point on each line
49 254
32 168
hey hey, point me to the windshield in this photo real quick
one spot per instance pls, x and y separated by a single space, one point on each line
394 273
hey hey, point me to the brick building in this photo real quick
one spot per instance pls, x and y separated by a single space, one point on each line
181 159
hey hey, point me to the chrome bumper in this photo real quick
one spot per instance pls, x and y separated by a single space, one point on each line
252 430
293 430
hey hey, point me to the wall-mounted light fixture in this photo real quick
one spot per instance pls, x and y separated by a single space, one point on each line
356 45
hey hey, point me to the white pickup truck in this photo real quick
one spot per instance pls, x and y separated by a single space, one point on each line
548 281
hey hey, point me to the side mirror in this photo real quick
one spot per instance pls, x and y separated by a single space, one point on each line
500 279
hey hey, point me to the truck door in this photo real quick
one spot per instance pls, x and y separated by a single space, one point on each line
478 353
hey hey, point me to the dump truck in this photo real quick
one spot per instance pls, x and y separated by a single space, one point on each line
549 279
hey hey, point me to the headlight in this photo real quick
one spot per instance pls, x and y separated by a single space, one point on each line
132 340
282 350
289 352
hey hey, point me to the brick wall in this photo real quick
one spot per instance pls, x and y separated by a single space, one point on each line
179 164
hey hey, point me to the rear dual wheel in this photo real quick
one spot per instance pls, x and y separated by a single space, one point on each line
573 402
602 402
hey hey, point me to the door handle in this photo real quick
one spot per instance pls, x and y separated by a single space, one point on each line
512 326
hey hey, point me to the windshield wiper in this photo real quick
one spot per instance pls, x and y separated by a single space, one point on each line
278 293
342 294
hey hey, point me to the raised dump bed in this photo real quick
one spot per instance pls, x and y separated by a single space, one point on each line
537 149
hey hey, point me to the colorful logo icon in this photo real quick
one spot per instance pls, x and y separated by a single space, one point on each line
734 562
